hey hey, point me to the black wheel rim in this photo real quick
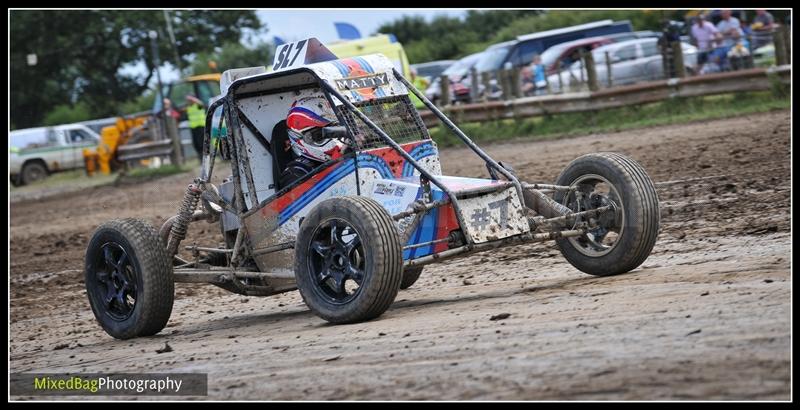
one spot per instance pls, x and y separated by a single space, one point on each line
336 261
115 281
594 191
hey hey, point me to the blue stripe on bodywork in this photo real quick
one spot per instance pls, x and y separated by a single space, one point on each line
419 152
375 162
345 72
315 191
368 68
426 230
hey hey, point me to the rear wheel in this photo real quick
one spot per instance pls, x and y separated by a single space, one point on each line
410 276
619 240
349 262
33 172
128 279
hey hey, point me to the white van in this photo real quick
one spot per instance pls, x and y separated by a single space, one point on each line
35 153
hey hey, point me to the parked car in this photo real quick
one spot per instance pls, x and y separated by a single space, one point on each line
519 52
631 61
34 153
620 37
563 55
460 82
432 69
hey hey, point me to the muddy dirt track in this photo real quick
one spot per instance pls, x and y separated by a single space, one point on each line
707 316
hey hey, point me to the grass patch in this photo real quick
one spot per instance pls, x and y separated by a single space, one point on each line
75 177
675 111
162 171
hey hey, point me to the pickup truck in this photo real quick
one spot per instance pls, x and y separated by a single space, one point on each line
34 153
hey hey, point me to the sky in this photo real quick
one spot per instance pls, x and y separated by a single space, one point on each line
299 24
292 25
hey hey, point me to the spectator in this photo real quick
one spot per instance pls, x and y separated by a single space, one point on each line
763 20
528 83
738 55
730 29
196 114
168 110
539 74
762 27
703 34
533 77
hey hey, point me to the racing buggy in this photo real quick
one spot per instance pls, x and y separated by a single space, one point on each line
351 231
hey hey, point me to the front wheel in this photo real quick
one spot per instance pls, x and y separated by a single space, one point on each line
620 239
128 278
348 260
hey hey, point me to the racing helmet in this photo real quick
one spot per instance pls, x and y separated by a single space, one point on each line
304 123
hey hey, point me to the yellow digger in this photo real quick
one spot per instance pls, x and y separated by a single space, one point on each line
141 127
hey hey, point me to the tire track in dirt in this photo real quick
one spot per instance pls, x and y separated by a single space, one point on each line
705 317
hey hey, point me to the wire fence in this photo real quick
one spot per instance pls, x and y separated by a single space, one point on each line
629 62
394 115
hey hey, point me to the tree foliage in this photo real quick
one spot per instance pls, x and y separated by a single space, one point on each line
451 38
640 20
233 55
88 56
67 114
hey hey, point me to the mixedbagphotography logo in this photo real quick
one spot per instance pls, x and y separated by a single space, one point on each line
116 384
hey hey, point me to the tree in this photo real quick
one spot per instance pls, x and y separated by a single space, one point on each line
640 20
449 37
82 54
233 55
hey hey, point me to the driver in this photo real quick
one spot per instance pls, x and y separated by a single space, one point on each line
305 121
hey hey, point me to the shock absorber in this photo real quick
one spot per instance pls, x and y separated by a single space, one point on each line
178 231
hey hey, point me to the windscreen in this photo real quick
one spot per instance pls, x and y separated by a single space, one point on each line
492 59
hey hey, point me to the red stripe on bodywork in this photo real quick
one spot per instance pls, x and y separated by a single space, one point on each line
446 222
280 203
392 158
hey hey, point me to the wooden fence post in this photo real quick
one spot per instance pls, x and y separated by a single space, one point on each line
591 72
516 85
608 70
175 137
444 91
787 43
486 80
779 38
547 83
677 60
473 84
502 77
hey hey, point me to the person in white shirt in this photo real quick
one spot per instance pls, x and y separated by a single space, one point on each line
730 28
703 34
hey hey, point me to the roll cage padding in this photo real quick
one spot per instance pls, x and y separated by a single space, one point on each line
281 152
